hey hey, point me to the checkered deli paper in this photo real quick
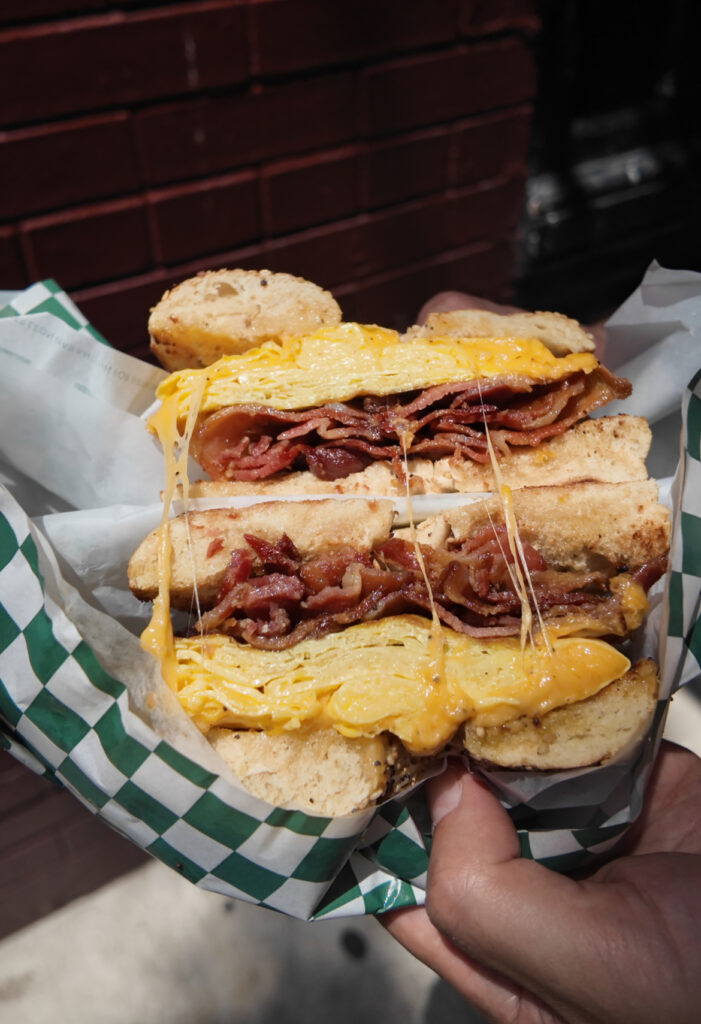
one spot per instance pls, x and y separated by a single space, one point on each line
81 703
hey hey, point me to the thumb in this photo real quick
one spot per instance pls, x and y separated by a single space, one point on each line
507 913
495 839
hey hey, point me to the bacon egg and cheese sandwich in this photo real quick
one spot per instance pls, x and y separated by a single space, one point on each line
329 658
359 409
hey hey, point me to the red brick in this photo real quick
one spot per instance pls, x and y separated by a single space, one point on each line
425 228
489 147
385 240
214 135
345 296
323 255
45 812
119 309
27 883
209 216
412 92
88 244
19 785
431 89
399 170
312 190
490 211
12 272
33 10
481 17
116 58
52 849
294 35
395 299
59 165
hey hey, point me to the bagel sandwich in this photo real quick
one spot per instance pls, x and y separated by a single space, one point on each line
330 659
352 408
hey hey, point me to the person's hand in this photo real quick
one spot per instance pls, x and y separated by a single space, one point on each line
528 946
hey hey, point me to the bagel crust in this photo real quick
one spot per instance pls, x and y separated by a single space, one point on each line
559 333
319 771
227 312
576 735
202 542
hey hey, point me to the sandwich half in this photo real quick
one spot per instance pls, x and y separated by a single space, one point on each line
358 409
330 659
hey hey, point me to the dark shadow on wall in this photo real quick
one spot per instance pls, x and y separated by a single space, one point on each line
615 155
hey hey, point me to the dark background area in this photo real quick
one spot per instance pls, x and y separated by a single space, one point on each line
537 153
615 153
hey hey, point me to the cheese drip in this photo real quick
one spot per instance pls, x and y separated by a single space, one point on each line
340 363
516 548
376 676
435 643
157 637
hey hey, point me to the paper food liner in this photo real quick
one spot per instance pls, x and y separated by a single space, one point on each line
79 484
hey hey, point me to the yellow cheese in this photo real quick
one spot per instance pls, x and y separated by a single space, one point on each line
157 638
376 676
634 602
340 363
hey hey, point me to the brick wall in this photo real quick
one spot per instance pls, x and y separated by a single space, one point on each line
377 148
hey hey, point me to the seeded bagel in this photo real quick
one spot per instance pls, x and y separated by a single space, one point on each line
227 312
320 771
587 732
559 333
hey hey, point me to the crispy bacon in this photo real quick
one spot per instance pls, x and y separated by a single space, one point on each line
281 557
272 597
650 573
253 442
334 463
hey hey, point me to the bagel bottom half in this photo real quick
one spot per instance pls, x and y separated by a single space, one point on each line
588 732
316 770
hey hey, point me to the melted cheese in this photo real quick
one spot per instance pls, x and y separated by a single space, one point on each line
519 565
376 676
634 602
340 363
157 637
436 649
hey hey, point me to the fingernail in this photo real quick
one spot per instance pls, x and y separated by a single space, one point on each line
444 794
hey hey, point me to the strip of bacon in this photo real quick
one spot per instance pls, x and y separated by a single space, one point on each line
271 597
251 442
